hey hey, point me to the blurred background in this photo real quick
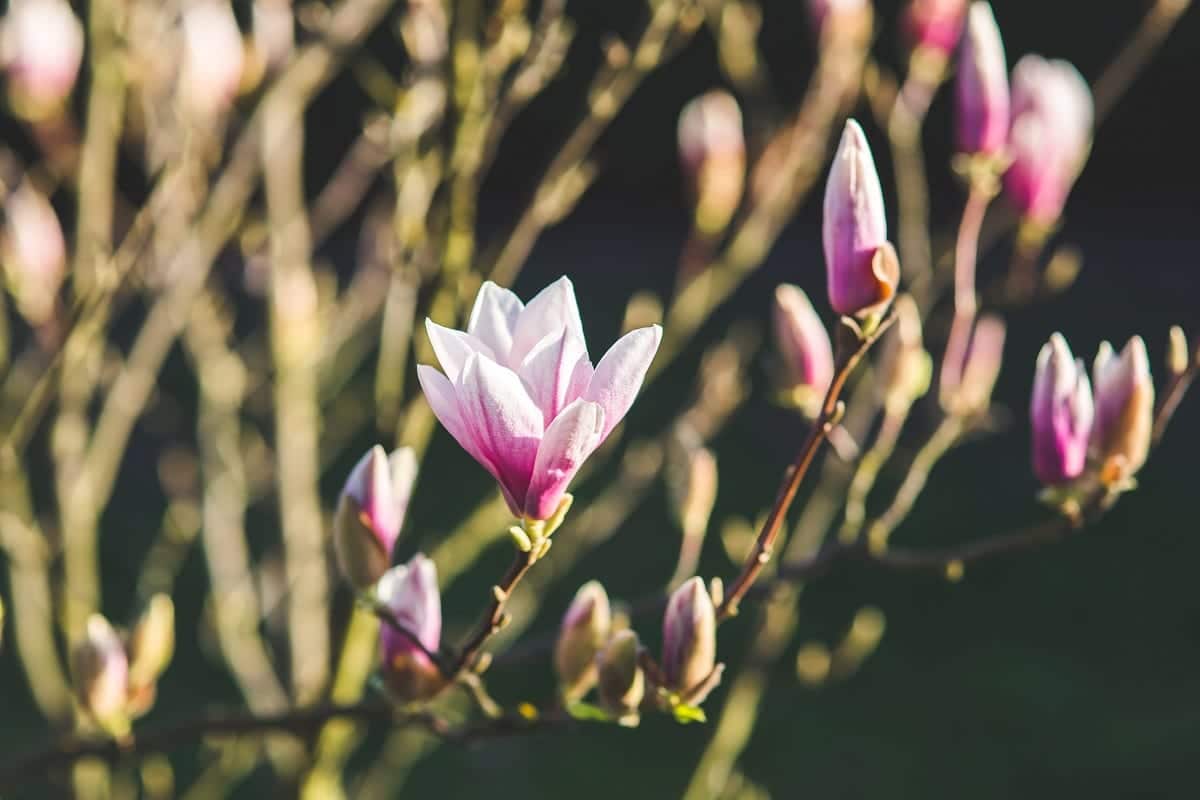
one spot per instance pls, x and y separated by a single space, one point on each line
1073 670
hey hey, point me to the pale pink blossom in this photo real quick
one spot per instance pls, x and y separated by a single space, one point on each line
42 48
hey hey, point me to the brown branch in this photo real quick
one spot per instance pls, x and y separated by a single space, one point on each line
494 618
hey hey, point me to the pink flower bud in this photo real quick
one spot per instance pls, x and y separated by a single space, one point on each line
583 633
1049 138
520 394
982 86
34 252
966 388
370 513
622 684
935 24
1124 408
689 639
1061 413
410 593
213 58
803 343
861 266
42 47
713 152
100 669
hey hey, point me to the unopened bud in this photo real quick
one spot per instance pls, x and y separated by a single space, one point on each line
584 630
152 642
689 640
713 151
935 25
1177 351
1061 414
621 682
213 58
966 390
41 46
100 669
982 87
692 482
906 365
370 513
34 252
409 593
1124 408
804 347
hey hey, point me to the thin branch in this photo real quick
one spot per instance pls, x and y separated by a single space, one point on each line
494 618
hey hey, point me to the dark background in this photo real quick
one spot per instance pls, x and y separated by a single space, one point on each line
1074 671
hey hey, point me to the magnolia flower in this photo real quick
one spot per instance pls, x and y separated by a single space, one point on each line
1050 135
690 641
1124 407
520 393
583 633
370 513
34 252
982 86
100 668
860 263
1061 413
409 593
42 46
803 343
935 24
713 151
213 57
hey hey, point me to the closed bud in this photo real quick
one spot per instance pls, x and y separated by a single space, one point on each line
804 347
713 151
370 513
621 682
693 487
1124 409
861 265
689 639
935 25
100 669
34 253
966 388
42 46
409 593
213 58
152 642
906 368
584 630
1061 414
982 86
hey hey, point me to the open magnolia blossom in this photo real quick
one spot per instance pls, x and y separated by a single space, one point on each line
520 393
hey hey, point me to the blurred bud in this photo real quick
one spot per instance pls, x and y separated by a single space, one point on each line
1061 414
101 673
713 151
803 346
152 642
966 387
906 366
213 58
621 682
34 253
409 592
982 86
841 22
1049 138
861 265
1177 351
370 513
424 31
1124 409
274 32
692 482
689 640
583 632
935 25
41 45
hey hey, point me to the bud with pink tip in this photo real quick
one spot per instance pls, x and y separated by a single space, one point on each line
621 681
966 387
690 641
583 633
42 46
982 87
1049 139
34 252
1061 413
861 265
409 593
803 346
370 513
713 152
935 25
100 669
1124 409
213 58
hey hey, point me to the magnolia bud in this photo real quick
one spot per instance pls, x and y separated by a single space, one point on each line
1124 409
583 632
693 487
34 252
689 639
42 46
213 58
982 86
409 593
370 513
101 672
621 682
803 346
1049 138
906 367
1061 412
966 388
152 642
861 265
935 25
713 151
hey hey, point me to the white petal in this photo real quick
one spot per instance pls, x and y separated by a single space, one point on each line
494 317
443 399
549 369
569 440
453 347
619 374
552 309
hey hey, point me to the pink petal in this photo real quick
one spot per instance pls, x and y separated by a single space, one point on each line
442 398
619 374
568 442
494 317
453 347
553 309
549 369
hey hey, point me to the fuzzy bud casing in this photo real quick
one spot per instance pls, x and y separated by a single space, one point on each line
582 634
